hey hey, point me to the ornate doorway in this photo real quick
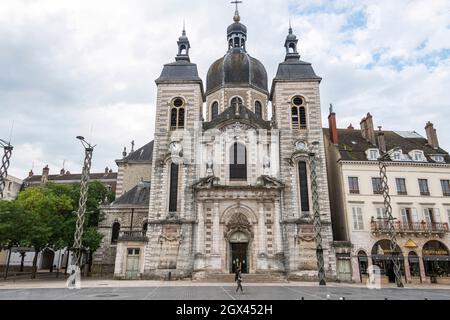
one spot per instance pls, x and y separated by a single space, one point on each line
239 244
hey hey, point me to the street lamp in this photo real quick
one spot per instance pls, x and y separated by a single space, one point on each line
316 209
388 210
77 244
7 148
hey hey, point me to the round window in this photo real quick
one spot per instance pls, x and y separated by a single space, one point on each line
298 101
178 102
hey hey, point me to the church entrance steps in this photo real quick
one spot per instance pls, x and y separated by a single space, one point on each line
246 278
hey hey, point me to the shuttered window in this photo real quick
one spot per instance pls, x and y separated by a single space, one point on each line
358 221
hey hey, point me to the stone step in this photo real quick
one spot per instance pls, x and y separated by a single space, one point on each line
248 278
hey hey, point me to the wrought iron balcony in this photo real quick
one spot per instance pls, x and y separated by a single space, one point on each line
139 236
382 227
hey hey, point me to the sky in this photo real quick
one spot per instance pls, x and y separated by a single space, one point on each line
87 67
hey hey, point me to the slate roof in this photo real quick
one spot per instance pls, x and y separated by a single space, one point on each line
139 196
179 71
237 69
144 153
245 115
353 147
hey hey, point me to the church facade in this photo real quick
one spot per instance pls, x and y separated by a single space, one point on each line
230 186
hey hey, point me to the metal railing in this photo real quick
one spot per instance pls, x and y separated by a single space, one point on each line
382 226
133 236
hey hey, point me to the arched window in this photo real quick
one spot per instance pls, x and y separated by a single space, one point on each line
258 109
298 113
214 110
173 193
238 162
363 262
304 188
183 49
115 232
292 48
177 114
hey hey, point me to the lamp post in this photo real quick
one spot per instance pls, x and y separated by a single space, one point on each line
7 148
316 218
388 211
77 244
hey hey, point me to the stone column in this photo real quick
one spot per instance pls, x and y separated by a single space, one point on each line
423 276
407 269
200 229
215 229
261 229
356 275
277 227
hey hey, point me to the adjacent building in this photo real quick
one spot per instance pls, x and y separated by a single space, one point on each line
418 172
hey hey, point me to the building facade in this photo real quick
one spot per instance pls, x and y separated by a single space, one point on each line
418 173
13 186
230 186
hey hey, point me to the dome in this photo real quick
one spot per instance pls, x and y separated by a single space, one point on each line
236 69
236 27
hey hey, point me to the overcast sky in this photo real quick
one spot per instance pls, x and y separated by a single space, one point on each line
69 66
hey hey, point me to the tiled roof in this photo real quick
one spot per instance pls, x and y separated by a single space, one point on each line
144 153
139 195
353 147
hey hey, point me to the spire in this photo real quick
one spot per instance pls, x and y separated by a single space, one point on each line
183 46
237 32
236 17
291 45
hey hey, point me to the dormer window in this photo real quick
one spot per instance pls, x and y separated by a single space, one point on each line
438 158
373 154
397 156
418 156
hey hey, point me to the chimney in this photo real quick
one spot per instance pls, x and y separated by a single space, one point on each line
432 135
363 128
30 174
45 172
350 127
332 126
381 141
62 172
370 131
106 170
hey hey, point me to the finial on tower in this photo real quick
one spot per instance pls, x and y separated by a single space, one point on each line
236 17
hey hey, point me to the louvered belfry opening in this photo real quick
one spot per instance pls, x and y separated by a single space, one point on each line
173 197
238 162
303 181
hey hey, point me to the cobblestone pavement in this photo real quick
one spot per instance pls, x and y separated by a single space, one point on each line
223 292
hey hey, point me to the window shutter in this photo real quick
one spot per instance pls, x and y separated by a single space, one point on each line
404 216
437 216
426 213
415 215
360 219
173 197
355 219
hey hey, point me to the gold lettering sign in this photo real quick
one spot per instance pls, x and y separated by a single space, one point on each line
435 253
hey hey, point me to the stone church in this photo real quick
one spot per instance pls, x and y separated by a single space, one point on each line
226 182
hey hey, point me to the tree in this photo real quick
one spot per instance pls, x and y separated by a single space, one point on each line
45 213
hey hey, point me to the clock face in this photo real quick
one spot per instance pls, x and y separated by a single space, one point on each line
300 146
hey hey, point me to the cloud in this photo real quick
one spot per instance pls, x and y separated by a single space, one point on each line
69 66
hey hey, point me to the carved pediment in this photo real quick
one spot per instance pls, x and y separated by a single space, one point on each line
206 183
270 182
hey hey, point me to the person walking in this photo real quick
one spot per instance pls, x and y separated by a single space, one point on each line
239 280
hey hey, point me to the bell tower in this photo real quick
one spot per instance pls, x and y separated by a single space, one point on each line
295 97
180 98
